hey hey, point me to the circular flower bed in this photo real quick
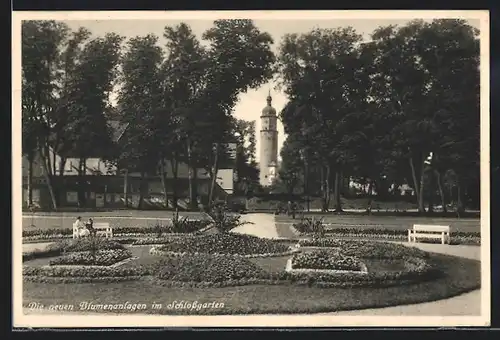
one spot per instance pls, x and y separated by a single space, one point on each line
224 243
207 268
104 257
323 259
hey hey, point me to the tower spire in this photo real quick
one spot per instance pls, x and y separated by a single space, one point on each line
269 98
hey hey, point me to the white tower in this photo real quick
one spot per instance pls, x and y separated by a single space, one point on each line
268 162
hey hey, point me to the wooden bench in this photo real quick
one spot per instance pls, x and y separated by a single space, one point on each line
440 232
102 229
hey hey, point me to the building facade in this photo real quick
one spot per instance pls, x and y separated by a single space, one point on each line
268 162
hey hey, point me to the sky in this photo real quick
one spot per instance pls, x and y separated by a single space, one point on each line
251 103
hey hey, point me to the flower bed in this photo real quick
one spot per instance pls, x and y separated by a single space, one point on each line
323 259
106 257
76 245
206 268
416 270
158 251
224 243
55 271
458 237
189 226
366 249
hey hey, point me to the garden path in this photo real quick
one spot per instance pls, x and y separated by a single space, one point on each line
263 225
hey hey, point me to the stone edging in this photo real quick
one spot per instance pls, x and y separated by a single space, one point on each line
114 265
292 250
290 269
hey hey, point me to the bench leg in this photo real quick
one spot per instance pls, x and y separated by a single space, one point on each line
409 236
442 238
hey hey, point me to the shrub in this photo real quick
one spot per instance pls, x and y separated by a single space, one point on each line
224 243
223 220
99 258
325 259
206 268
311 225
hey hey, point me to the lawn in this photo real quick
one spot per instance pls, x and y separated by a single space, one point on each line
459 276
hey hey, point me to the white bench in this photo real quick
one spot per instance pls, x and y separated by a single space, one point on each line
440 232
102 229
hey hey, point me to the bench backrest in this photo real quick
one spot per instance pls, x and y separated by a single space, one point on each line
101 225
431 228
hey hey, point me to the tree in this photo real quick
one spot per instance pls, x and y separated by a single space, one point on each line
206 83
292 165
419 82
246 166
145 110
61 138
320 76
87 99
452 57
41 43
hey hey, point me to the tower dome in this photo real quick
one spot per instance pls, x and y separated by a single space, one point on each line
269 110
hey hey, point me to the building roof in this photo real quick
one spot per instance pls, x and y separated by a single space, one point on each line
117 129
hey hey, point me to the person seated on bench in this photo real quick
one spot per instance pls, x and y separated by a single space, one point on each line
90 227
82 230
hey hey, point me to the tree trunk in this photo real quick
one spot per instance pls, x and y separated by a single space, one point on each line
323 190
416 186
54 163
193 201
432 186
328 188
370 198
175 167
49 183
421 207
80 183
215 170
125 188
47 160
439 181
460 201
62 165
30 180
141 191
163 177
191 170
306 183
338 203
